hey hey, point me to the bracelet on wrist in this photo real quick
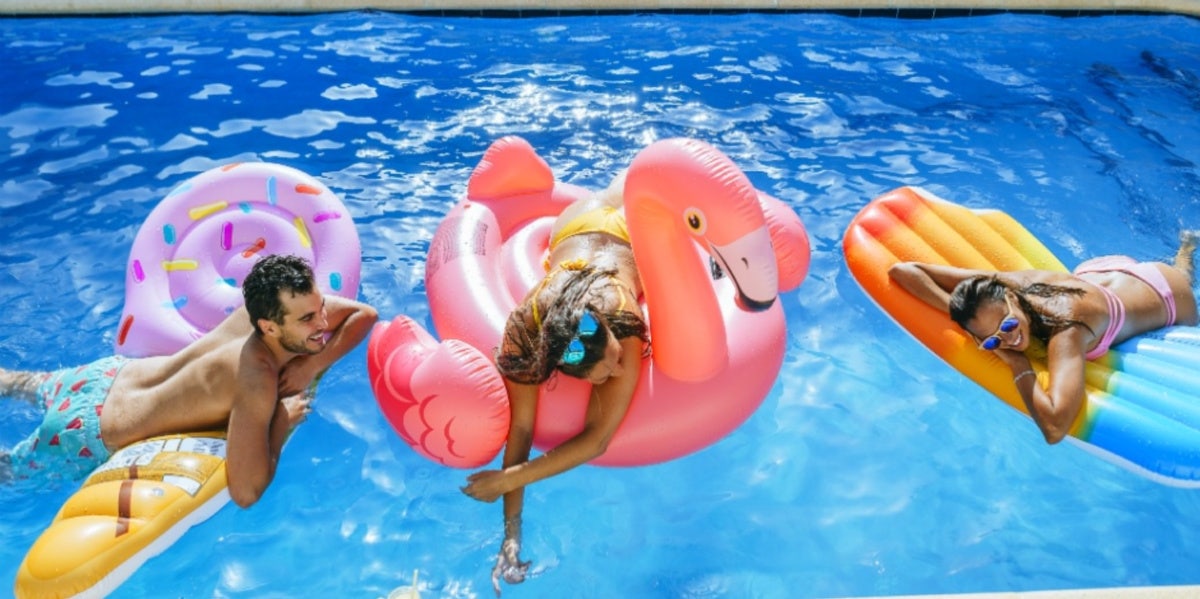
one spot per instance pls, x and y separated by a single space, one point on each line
1023 374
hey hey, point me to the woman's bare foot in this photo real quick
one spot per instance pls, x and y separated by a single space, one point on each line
1187 248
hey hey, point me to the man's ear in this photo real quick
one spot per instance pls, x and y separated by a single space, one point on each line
268 327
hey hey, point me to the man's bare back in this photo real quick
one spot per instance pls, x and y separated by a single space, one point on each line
192 390
247 377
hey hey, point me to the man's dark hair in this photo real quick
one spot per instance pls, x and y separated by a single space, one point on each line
270 277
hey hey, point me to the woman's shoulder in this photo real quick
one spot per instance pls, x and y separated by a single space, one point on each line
1027 277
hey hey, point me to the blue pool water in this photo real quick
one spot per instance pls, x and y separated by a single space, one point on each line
871 468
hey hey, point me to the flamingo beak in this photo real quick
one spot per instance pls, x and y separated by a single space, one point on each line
750 263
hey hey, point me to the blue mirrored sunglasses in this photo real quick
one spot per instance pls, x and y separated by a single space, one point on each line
992 342
575 349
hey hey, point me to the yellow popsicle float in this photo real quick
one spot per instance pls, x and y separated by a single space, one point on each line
184 277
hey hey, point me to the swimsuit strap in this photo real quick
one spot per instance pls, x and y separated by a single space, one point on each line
1116 320
626 290
577 264
537 319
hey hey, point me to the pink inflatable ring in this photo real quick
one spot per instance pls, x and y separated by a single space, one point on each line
191 254
713 361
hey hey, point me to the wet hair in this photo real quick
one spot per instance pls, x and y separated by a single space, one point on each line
971 293
533 356
270 277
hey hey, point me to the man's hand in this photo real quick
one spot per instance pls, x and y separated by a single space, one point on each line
298 408
296 375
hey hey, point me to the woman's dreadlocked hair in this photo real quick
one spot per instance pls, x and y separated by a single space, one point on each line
970 293
534 355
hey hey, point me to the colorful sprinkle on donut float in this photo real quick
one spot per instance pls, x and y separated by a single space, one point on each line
184 276
191 254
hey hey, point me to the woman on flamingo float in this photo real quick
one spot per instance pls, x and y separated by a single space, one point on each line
584 321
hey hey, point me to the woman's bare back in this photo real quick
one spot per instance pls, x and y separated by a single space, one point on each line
1144 309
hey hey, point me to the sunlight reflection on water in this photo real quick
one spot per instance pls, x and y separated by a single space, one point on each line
871 468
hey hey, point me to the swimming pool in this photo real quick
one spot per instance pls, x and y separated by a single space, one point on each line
871 469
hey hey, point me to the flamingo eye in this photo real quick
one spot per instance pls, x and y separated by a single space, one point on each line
695 221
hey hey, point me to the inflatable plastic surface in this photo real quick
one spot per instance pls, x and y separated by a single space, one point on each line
191 254
718 341
184 276
130 509
1143 397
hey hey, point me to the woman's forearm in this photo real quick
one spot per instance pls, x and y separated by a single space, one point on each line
574 452
516 454
915 280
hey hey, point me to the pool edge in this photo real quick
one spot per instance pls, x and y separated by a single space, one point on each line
82 7
1148 592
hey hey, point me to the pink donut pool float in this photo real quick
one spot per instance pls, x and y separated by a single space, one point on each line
718 340
191 254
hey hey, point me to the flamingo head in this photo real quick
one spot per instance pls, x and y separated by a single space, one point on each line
744 254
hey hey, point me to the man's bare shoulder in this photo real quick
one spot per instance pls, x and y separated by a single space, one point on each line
223 340
255 356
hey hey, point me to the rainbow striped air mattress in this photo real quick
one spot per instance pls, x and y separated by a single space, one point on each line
1143 397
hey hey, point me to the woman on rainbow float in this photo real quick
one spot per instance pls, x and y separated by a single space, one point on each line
1078 316
584 321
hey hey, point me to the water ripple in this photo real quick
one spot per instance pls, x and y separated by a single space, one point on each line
1081 128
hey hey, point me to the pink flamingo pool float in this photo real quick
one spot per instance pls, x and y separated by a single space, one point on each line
718 340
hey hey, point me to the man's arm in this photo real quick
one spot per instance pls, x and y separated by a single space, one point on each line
257 427
349 322
259 423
